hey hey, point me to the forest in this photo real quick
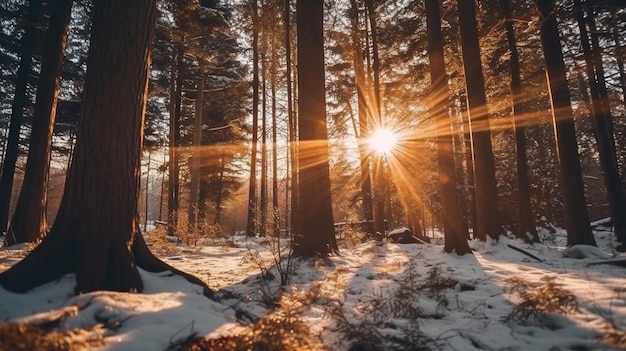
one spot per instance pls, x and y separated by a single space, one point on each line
136 136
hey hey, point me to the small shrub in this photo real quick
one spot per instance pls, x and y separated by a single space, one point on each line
281 330
25 337
537 302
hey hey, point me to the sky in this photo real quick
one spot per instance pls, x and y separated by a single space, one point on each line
446 301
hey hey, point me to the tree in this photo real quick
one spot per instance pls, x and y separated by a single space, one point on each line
316 234
526 228
576 217
17 109
486 194
29 219
359 77
251 224
602 120
455 230
96 233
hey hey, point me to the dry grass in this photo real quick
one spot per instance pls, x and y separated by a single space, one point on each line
25 337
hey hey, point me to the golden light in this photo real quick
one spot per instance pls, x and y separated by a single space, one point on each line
383 141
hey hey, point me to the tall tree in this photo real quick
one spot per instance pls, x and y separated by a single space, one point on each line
290 116
526 228
455 230
252 205
29 219
602 120
316 233
359 77
486 193
375 109
576 216
96 233
195 157
28 44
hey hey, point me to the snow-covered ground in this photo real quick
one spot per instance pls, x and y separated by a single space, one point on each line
401 291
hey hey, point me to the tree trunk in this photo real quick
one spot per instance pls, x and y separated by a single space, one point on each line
375 110
251 222
363 131
196 154
602 122
317 232
526 228
455 231
29 219
174 152
291 118
576 216
17 110
275 215
263 200
485 190
96 233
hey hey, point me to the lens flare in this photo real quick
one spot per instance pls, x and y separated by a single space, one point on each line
383 141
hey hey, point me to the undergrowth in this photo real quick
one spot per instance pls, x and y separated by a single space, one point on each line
537 302
26 337
281 330
389 319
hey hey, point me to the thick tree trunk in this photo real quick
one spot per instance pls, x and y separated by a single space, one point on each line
317 232
17 109
455 231
576 216
485 189
526 228
29 219
96 233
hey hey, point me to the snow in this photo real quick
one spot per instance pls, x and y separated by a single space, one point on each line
467 313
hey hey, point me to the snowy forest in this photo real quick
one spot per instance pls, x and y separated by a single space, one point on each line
312 175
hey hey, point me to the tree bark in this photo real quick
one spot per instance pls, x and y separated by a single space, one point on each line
317 232
576 216
29 222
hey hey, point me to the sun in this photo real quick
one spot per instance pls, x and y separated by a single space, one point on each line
383 141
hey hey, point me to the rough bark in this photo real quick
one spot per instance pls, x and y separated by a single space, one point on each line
316 234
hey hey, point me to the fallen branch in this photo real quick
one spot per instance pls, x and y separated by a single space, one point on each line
524 252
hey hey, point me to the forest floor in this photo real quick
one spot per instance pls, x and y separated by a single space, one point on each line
372 296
